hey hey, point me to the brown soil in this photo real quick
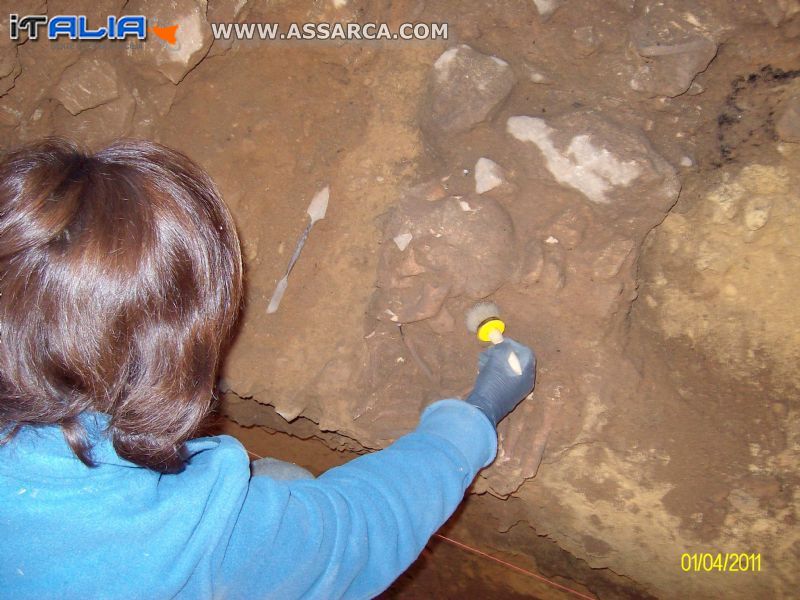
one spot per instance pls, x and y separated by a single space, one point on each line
662 309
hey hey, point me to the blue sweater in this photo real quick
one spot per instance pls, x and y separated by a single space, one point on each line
122 531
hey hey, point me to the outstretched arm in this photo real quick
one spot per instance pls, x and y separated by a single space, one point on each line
356 528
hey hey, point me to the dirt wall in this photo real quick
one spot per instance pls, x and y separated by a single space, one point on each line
619 177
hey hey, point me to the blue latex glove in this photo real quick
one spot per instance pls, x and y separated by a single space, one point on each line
498 388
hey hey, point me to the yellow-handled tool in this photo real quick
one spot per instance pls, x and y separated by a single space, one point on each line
484 320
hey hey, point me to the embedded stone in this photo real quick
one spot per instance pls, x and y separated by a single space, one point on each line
546 8
675 46
465 86
787 126
488 175
87 84
608 163
182 39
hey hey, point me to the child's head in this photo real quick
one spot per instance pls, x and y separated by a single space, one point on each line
120 280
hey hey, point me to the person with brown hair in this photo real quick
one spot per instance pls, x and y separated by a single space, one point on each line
120 284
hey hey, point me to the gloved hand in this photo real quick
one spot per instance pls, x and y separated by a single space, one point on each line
499 388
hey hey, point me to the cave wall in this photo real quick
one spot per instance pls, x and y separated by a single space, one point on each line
621 178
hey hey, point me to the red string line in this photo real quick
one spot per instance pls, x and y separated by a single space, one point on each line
499 561
514 567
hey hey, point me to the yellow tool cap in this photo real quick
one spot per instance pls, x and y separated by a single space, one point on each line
486 328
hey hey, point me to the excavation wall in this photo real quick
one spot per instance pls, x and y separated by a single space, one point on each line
621 178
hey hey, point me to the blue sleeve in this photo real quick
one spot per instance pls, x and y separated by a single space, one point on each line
351 532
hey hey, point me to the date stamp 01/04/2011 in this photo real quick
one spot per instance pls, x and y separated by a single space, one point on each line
723 562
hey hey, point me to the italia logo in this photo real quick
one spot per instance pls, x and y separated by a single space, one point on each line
76 27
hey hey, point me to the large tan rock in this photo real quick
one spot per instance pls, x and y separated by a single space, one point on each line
192 37
10 66
86 84
100 125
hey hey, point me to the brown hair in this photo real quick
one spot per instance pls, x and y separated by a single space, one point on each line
120 281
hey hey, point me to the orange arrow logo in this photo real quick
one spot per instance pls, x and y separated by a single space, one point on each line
166 33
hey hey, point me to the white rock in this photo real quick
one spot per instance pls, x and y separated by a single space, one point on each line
756 213
546 7
488 175
592 170
536 77
403 240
